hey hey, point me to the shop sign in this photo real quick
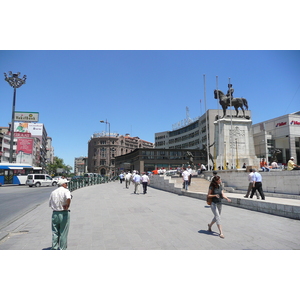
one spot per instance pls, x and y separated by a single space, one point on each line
295 123
280 124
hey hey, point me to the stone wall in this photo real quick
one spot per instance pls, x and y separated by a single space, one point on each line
281 182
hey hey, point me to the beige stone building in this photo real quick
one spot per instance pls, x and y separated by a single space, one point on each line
104 147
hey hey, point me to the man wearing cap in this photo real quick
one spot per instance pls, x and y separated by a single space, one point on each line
291 165
59 201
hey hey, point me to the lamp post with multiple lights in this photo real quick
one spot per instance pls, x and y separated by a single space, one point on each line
15 82
106 122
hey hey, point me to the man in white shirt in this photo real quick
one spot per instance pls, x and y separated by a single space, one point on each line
257 185
127 179
137 182
185 178
189 169
250 179
274 165
145 182
59 201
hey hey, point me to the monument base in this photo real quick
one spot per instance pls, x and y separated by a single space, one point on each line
234 144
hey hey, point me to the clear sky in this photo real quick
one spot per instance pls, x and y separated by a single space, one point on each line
141 92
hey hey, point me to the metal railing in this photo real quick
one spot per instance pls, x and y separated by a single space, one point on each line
78 183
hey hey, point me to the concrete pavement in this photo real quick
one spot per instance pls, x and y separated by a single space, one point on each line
111 217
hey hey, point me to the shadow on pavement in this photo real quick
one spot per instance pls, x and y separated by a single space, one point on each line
208 232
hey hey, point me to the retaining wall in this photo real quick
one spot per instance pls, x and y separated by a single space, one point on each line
283 209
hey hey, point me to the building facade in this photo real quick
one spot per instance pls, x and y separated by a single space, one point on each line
104 147
50 151
281 134
3 132
80 165
149 159
194 135
29 145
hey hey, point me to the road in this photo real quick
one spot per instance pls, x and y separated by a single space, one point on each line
15 201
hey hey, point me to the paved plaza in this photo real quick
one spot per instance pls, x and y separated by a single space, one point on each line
111 217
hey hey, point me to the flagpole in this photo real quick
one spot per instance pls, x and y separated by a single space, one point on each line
207 146
231 135
218 104
199 123
218 129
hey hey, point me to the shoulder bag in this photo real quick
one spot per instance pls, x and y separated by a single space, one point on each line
208 199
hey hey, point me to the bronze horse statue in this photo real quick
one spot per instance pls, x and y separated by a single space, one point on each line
224 101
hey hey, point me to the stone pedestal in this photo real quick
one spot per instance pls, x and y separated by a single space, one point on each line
234 144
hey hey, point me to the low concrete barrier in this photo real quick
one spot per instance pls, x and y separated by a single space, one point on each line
273 206
283 182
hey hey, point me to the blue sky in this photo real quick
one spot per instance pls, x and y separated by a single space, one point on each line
141 92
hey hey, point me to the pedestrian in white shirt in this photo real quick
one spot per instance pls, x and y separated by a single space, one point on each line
185 178
59 201
137 182
145 182
127 179
250 179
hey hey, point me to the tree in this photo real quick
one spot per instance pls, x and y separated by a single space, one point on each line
58 167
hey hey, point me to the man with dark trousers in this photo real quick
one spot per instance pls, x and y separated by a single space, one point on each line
257 185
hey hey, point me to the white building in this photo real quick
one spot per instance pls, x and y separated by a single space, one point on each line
282 133
193 134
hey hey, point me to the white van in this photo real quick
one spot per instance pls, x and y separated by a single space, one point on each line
39 180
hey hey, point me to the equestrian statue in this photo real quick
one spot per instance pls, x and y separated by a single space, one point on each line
227 101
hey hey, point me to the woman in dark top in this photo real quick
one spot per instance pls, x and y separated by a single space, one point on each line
216 193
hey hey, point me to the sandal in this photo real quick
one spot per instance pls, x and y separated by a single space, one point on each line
209 228
222 236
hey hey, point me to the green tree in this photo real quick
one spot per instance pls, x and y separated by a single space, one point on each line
57 166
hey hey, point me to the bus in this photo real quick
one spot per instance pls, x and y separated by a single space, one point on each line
14 173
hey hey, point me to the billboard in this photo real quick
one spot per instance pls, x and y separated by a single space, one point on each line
24 150
35 129
23 116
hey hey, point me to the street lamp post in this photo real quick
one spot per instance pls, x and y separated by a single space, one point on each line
15 82
106 122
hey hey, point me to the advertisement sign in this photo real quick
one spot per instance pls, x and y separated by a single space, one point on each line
24 150
21 134
35 129
23 116
295 123
25 145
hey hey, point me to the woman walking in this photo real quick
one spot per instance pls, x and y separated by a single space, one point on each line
216 193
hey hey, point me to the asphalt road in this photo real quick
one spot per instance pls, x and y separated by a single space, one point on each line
15 201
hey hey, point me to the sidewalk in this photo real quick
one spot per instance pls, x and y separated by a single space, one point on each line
110 217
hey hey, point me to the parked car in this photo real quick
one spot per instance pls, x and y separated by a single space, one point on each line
56 179
88 177
77 177
39 180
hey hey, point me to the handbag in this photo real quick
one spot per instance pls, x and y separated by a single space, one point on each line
208 199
